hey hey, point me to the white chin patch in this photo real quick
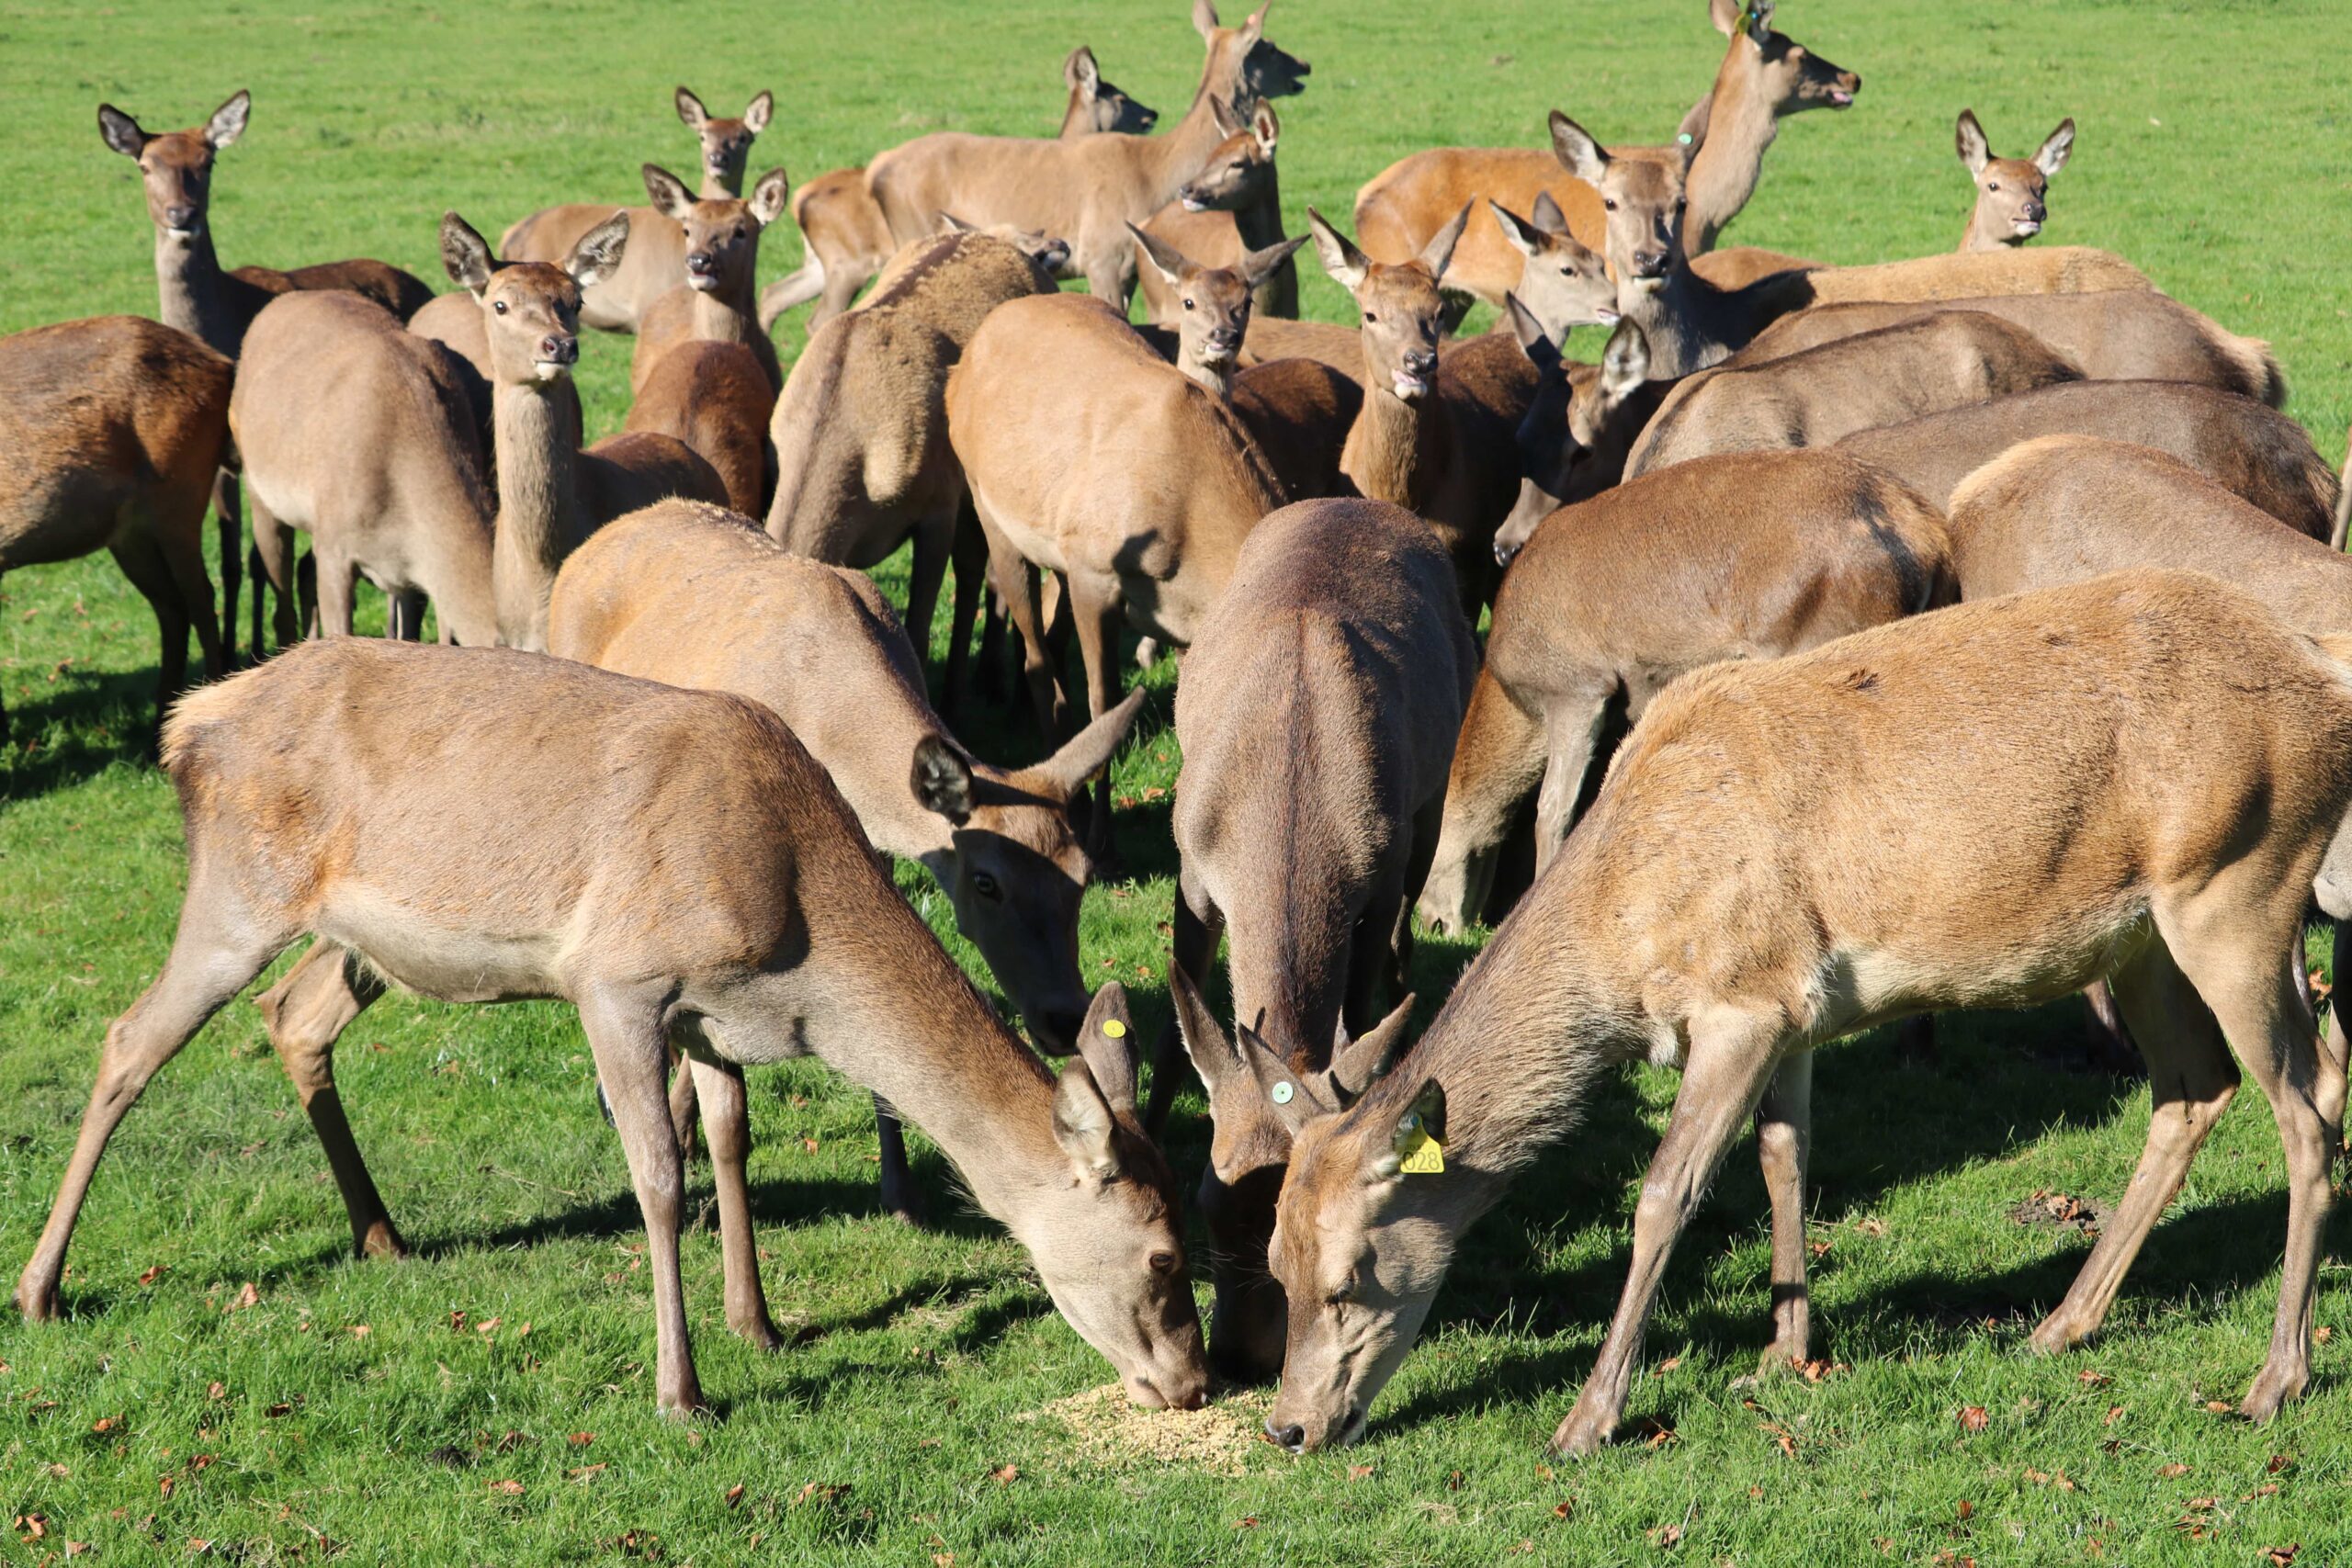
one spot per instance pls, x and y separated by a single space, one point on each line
1605 316
549 371
1649 285
1411 389
181 233
702 283
1194 204
2028 230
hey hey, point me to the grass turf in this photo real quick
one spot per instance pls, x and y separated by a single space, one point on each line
489 1402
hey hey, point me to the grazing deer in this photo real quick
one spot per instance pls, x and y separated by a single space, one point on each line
2158 785
657 250
1232 208
1437 431
861 434
1580 425
1747 556
1319 706
1088 190
1765 77
2011 193
1091 457
676 866
216 307
2244 445
841 230
714 303
2115 335
691 595
112 430
1942 360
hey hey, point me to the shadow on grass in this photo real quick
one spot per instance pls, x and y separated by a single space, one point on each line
84 725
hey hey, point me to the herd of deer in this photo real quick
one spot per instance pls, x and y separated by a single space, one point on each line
1968 630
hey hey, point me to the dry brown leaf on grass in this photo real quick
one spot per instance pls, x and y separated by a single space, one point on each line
1972 1417
1005 1475
2090 1379
2281 1556
1967 1508
106 1422
734 1495
2167 1471
508 1488
151 1274
1358 1472
1666 1538
248 1297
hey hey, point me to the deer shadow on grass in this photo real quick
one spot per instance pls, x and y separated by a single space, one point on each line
84 726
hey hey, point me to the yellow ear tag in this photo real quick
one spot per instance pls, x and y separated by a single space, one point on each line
1424 1155
1115 1028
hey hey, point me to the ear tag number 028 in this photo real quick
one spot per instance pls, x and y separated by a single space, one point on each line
1423 1155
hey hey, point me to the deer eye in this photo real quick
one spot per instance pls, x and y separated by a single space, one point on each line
986 886
499 306
1188 304
1163 1262
1369 319
1607 204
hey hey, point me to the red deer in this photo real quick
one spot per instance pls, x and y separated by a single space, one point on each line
2011 193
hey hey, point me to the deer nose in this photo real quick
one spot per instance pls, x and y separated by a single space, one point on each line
1420 362
556 350
1225 338
1649 264
701 261
180 216
1148 119
1291 1439
2035 212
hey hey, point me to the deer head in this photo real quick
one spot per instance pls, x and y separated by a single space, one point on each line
1577 430
723 233
1245 65
1097 103
1214 300
1237 174
530 309
726 143
1641 198
1404 314
1561 284
175 166
1777 69
2011 193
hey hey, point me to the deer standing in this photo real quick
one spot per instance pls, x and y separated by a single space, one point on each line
1232 208
2011 193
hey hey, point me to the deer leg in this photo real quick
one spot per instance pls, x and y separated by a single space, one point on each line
727 1122
1192 948
934 541
839 292
2109 1038
1498 759
135 551
899 1197
2191 1082
1731 1058
2338 1048
1099 608
1784 1136
306 591
306 1013
685 1111
273 561
794 288
632 1054
182 548
404 615
336 592
1426 827
224 514
969 555
1573 721
1016 584
222 945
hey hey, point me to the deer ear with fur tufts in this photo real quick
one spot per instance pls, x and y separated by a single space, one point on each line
1259 265
465 255
1439 251
120 131
1165 258
1083 1124
228 121
690 110
1579 153
1080 74
1365 1060
1213 1055
1091 748
2051 155
769 195
669 193
759 111
1422 1124
598 252
1533 340
1624 361
1968 141
941 779
1347 264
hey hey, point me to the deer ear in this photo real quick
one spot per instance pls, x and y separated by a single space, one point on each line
690 110
1967 138
1626 362
1228 122
1546 215
1347 264
1577 151
1725 14
1365 1060
465 255
1107 1043
1090 749
1080 74
951 224
1213 1055
1297 1099
2052 154
1267 129
671 196
759 111
1522 235
120 131
1203 17
1165 258
595 253
1083 1124
1440 249
941 779
1533 340
769 195
1259 265
1424 1119
228 121
1255 28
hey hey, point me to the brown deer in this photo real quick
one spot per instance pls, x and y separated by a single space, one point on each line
2114 334
1580 425
214 306
861 434
1088 190
1942 360
1765 77
1747 556
1232 208
676 866
718 283
1091 457
2246 446
2011 193
1272 337
1437 431
1318 705
657 250
1960 274
841 230
691 595
112 430
714 399
2159 778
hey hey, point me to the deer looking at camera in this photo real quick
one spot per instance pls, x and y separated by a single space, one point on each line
1232 208
657 251
483 825
2160 775
2011 193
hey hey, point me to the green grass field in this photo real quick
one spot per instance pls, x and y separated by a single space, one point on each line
227 1380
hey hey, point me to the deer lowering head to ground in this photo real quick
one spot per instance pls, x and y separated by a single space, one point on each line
1438 433
1765 77
861 433
843 235
1232 208
1580 425
1747 556
1087 189
657 247
112 430
691 595
713 292
2247 447
552 493
481 824
2159 775
1317 709
2011 193
1945 359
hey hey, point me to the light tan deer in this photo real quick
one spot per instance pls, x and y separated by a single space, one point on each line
1765 77
1232 208
657 249
1318 705
692 595
112 430
841 230
2159 776
716 285
2248 448
1960 274
1088 190
1211 304
2011 193
1438 433
675 866
861 434
1091 457
2114 334
1747 556
1942 360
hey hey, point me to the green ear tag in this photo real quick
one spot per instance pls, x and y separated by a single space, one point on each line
1115 1028
1281 1092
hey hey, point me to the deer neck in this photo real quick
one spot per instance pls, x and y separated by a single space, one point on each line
1388 454
1980 238
1740 127
1176 157
719 187
193 289
1219 384
538 499
1689 323
1260 225
725 316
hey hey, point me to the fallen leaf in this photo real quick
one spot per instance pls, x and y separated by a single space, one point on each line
248 1297
1870 1226
1005 1475
75 1548
1972 1417
580 1439
2201 1505
217 1391
584 1471
1524 1549
2216 1407
2277 1462
809 1145
1561 1509
360 1331
281 1408
2267 1489
104 1423
164 1484
511 1488
1454 1482
56 1471
942 1559
1246 1522
486 1325
1782 1436
1967 1508
2090 1379
1666 1537
2114 1414
2276 1557
734 1495
1355 1471
2323 1334
1666 1366
2167 1471
153 1273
